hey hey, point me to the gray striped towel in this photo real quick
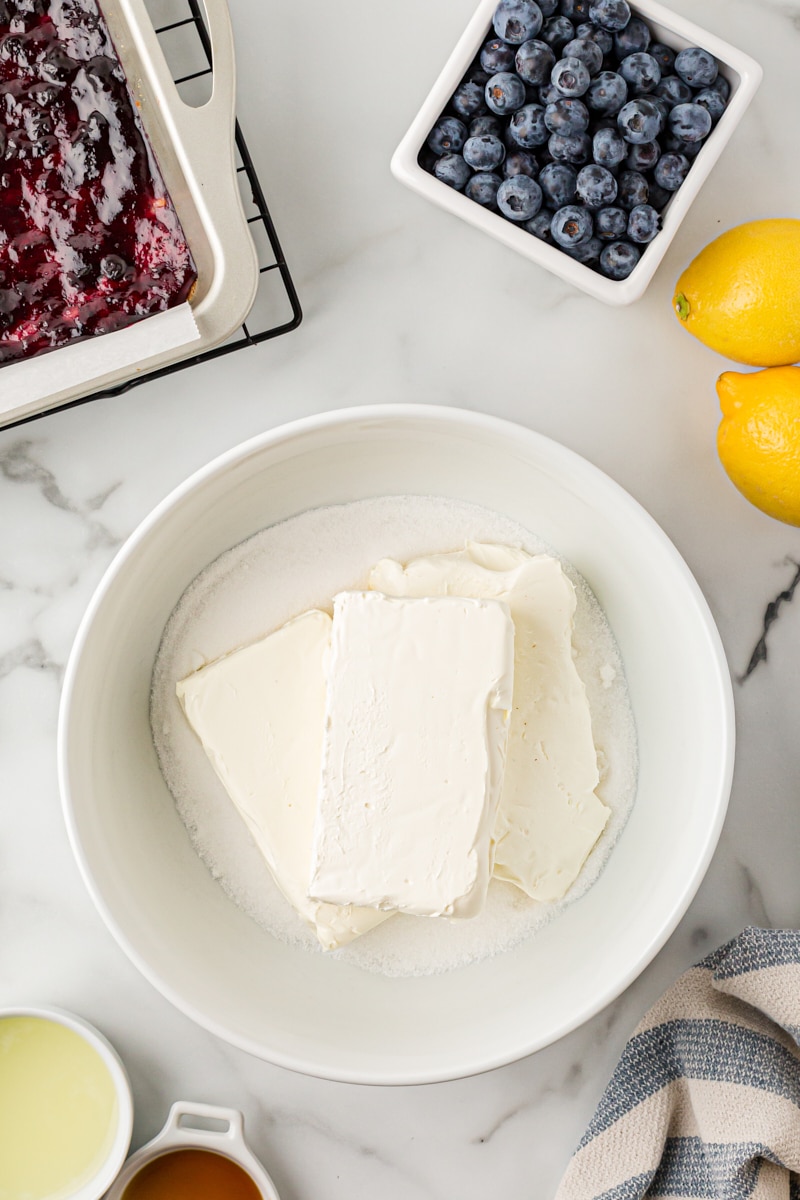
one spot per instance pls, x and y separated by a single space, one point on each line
705 1101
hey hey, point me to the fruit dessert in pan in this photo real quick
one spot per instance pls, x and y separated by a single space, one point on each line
90 241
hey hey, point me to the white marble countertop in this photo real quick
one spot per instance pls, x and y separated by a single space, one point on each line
402 302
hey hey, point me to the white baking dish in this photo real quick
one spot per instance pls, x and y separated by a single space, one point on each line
741 71
195 149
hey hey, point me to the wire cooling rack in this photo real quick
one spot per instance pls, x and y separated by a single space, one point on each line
276 310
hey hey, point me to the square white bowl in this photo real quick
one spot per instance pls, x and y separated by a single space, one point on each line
742 72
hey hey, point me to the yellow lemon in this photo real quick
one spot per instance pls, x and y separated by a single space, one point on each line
759 438
741 295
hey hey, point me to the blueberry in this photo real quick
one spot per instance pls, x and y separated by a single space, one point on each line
607 92
559 184
534 61
587 51
484 153
642 157
452 170
696 67
633 189
486 124
611 223
633 39
643 224
659 197
527 127
113 267
549 94
676 145
610 14
519 198
641 72
567 116
517 20
549 7
509 141
571 226
663 56
520 162
673 90
601 37
618 260
639 121
609 147
587 252
576 10
597 187
671 170
557 31
570 148
690 122
722 86
662 106
712 101
468 99
571 77
496 56
426 159
505 93
539 225
447 134
482 188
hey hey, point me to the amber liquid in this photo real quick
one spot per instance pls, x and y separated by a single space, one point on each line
192 1175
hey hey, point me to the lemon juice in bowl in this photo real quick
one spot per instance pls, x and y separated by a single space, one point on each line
64 1110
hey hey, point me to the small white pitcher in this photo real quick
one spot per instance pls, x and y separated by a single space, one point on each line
228 1142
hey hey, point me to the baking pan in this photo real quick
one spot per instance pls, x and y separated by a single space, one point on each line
195 148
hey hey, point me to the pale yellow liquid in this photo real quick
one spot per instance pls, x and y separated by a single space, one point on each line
58 1110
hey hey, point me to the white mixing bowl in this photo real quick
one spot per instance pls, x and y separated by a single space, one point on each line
310 1012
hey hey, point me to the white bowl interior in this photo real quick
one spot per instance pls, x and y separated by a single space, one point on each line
311 1012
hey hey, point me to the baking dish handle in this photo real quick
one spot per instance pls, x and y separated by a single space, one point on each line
202 139
208 121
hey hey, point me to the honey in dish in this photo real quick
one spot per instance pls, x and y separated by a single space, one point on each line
191 1175
58 1110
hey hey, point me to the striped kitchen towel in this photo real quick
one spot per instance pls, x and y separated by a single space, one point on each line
705 1101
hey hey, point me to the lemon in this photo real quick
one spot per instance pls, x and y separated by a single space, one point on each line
759 438
741 295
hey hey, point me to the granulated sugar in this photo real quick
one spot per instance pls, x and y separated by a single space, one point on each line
302 563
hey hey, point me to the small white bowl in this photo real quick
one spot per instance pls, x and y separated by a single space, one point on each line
189 1126
312 1012
107 1172
742 72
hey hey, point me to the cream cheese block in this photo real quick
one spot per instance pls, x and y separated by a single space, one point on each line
549 817
416 728
259 715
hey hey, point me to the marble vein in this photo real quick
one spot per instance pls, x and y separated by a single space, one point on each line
756 906
309 1124
18 465
30 654
772 613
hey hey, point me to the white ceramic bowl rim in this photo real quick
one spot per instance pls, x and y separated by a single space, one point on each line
106 1174
477 423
